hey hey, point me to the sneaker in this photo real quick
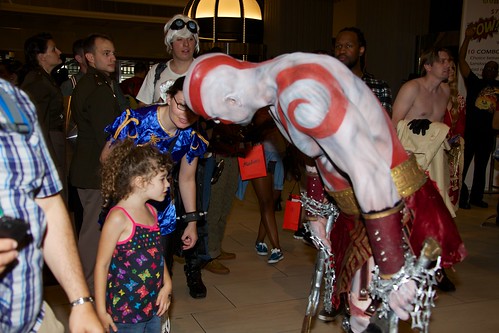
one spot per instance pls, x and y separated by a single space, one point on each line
275 256
300 233
262 249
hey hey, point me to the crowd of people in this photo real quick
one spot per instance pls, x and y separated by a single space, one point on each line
146 178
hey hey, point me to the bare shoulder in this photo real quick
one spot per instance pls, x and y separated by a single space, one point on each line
409 91
406 100
417 83
411 87
116 220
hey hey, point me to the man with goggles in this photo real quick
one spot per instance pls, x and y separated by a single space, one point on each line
181 41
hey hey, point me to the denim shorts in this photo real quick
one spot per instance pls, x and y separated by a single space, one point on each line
151 326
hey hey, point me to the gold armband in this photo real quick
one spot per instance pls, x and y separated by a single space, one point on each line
346 201
408 177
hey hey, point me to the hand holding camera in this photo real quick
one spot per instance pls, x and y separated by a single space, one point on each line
12 232
13 228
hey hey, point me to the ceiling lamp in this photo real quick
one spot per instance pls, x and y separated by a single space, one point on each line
227 8
227 20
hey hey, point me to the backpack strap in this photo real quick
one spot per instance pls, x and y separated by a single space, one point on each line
73 81
159 69
15 117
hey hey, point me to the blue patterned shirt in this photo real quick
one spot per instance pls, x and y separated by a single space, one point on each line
26 172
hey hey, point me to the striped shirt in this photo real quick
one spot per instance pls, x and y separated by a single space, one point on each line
26 172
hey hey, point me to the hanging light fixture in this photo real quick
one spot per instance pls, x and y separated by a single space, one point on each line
227 8
228 21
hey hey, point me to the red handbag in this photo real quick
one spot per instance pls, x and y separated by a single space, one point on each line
253 165
292 212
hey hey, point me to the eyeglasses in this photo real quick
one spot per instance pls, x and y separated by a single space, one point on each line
179 24
181 107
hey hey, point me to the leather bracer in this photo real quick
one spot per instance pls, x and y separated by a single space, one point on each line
385 236
315 190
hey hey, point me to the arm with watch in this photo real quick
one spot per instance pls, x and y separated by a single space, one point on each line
20 129
61 255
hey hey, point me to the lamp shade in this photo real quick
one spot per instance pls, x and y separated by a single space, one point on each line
227 20
227 8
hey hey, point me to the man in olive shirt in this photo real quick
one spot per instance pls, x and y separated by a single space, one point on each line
94 105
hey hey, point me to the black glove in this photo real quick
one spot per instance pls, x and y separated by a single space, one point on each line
419 126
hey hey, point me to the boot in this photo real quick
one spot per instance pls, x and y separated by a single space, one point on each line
331 316
197 289
443 282
335 312
464 197
194 263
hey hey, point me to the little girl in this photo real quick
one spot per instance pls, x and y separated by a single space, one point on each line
132 285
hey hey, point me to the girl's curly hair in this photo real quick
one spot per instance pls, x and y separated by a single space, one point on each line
127 161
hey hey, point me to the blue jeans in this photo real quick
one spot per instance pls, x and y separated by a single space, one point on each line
151 326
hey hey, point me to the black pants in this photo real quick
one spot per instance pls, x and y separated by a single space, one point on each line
480 147
172 245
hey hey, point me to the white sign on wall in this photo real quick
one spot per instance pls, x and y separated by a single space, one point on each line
484 15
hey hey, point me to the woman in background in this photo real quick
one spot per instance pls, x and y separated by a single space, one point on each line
455 118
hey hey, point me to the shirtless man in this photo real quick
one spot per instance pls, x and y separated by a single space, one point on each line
419 108
425 97
332 116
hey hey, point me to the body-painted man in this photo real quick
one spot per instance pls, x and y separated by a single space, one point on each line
332 116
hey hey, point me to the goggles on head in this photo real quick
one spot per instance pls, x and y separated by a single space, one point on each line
179 24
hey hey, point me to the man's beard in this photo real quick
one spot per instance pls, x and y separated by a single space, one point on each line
351 63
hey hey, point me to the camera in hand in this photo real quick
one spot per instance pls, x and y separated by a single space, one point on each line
13 228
